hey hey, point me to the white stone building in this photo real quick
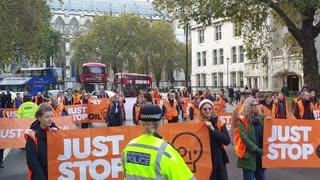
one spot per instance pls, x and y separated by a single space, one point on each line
218 60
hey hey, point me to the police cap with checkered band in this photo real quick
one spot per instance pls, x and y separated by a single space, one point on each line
150 113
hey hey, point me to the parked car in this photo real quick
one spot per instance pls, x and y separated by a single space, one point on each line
95 93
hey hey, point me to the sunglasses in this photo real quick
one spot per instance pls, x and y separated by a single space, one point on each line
207 109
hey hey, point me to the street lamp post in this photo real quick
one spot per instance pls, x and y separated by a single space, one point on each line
227 73
186 73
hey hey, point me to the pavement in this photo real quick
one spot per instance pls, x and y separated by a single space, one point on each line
15 163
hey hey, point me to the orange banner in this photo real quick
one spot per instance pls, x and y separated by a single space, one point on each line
78 113
12 130
9 112
185 107
226 117
288 143
97 110
316 113
96 153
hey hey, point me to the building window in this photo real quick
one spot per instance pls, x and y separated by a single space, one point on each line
215 57
241 79
204 80
204 58
234 79
234 55
198 79
215 79
199 58
201 36
236 30
221 79
221 56
241 54
218 33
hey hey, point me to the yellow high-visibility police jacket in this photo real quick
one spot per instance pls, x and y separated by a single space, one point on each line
28 110
148 157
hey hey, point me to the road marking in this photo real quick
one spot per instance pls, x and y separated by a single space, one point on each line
5 153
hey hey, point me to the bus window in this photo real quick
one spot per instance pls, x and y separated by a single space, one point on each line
36 73
46 73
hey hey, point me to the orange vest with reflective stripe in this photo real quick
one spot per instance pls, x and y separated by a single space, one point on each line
196 111
137 112
301 109
58 110
264 110
239 146
32 134
222 101
171 111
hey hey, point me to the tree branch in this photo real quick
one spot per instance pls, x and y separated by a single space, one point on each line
297 34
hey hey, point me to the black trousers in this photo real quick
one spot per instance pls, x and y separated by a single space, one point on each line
1 155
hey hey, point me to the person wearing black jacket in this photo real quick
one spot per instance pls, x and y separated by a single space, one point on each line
219 139
36 146
116 115
303 108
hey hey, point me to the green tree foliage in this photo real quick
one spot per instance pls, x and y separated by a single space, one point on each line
50 45
130 43
23 25
299 16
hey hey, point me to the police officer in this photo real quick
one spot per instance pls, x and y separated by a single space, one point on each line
28 109
149 156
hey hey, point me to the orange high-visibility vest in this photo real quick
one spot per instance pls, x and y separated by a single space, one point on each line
239 146
137 112
196 111
36 99
301 109
267 112
222 101
58 110
171 111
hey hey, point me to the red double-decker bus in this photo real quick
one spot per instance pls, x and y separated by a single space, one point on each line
93 76
131 83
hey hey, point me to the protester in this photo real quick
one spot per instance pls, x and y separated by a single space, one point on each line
222 99
231 95
17 101
76 98
267 108
219 139
170 109
116 115
147 98
314 99
303 109
185 93
179 104
282 108
102 93
136 109
237 111
3 100
194 110
28 108
155 94
36 145
162 161
255 94
248 134
57 108
39 98
85 100
285 89
238 96
208 95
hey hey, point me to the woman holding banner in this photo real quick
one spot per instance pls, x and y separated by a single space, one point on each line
248 135
36 146
149 156
219 139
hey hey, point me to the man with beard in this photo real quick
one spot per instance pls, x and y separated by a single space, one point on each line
303 109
